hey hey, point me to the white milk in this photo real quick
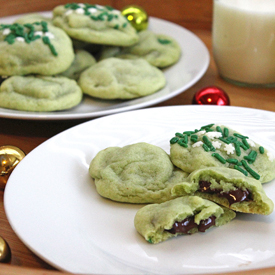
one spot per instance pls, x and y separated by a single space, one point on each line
244 40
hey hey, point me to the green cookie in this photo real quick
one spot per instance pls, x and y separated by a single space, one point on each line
137 173
116 78
227 187
95 24
185 215
39 93
82 61
220 146
158 49
34 48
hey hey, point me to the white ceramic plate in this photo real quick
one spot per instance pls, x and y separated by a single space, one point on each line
52 205
181 76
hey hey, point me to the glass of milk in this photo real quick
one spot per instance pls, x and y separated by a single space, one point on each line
244 41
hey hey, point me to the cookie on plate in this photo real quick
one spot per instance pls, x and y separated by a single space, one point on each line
34 48
136 173
220 146
116 78
159 50
95 24
184 215
227 187
39 93
82 61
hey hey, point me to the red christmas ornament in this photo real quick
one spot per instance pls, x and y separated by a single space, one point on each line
211 96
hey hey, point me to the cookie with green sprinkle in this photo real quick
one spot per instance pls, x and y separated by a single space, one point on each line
181 216
219 146
95 24
158 49
34 48
227 187
39 93
136 173
116 78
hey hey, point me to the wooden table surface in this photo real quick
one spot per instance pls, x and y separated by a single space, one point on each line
29 134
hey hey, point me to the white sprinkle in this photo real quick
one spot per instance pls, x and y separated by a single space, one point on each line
81 5
99 7
216 144
214 134
270 156
68 12
92 10
80 11
229 148
40 33
250 142
6 31
200 133
20 39
49 34
197 144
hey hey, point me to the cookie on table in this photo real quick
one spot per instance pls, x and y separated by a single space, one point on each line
116 78
184 215
220 146
39 93
159 50
34 48
136 173
82 61
227 187
95 24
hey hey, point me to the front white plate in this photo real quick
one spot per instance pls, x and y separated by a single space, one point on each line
52 204
181 76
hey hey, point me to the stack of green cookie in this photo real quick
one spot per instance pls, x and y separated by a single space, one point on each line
48 64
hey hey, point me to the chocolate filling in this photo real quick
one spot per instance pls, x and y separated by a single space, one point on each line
233 196
187 224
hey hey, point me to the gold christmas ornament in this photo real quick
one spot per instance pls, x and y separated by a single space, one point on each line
5 252
10 156
137 16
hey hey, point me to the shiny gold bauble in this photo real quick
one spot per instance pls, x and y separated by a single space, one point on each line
5 252
137 17
10 156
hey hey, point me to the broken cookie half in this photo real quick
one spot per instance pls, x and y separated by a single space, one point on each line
184 215
227 187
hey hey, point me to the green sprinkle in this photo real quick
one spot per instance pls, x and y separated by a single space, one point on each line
182 143
205 147
207 126
224 140
116 27
164 41
251 156
241 170
219 157
189 133
231 139
239 136
219 129
237 148
174 140
225 132
261 149
179 135
194 138
245 143
208 143
250 170
234 161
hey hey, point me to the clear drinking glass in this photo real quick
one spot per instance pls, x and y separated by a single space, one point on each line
244 41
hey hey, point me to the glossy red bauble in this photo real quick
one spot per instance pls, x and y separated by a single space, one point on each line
211 96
